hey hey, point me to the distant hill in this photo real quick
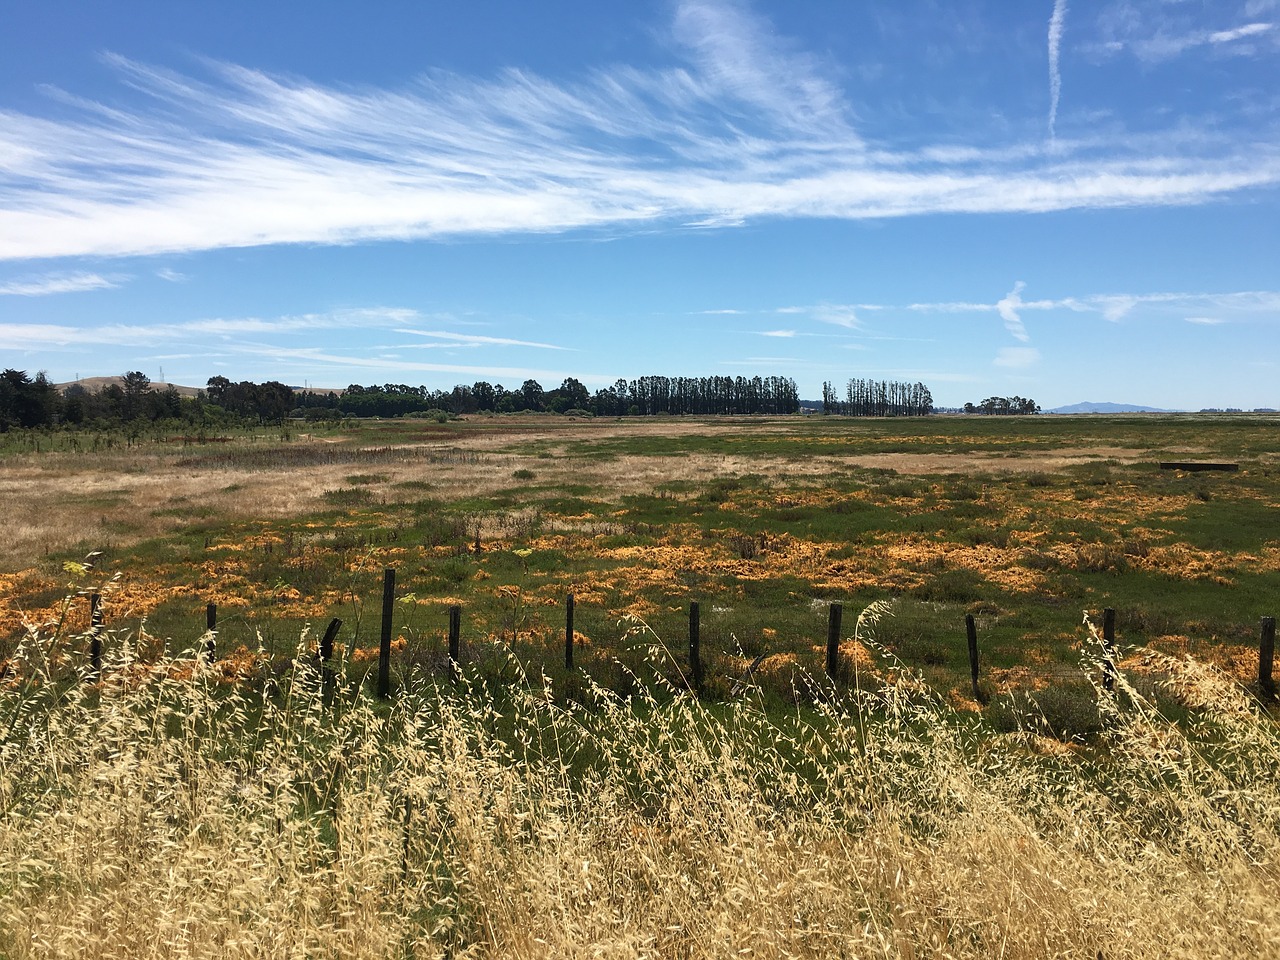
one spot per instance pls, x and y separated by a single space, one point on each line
1092 407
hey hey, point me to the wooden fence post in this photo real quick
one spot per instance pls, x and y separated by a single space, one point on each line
1109 649
210 625
325 655
384 648
1266 656
568 632
971 630
695 647
326 642
455 642
95 631
833 638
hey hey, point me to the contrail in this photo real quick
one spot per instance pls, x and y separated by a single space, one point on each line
1055 77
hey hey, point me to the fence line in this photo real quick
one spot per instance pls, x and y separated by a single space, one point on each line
1110 653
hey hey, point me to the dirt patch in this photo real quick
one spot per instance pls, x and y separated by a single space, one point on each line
1035 461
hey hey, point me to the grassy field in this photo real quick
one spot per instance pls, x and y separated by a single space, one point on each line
1022 522
244 808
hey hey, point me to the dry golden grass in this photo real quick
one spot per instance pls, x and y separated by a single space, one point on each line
161 813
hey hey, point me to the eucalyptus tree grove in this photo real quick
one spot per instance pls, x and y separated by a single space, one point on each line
878 398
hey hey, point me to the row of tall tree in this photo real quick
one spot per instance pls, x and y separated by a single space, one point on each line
698 395
27 401
1004 406
877 398
639 397
36 402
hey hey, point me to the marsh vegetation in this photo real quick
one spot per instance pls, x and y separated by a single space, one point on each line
1021 522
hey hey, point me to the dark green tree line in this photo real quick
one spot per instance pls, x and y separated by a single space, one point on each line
1004 406
878 398
643 396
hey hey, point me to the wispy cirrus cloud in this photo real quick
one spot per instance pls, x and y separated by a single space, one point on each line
742 127
1240 33
840 315
951 306
1008 307
340 362
1164 46
1114 307
475 340
220 330
739 60
1207 308
1155 31
55 283
357 339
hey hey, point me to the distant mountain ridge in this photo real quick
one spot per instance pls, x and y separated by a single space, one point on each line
1090 406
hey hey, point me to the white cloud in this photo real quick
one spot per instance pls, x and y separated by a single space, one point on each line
1239 33
1167 46
955 306
1206 321
473 340
778 333
1017 357
172 276
1155 31
1008 309
58 283
219 330
395 363
1110 306
748 128
24 336
1115 307
838 315
740 59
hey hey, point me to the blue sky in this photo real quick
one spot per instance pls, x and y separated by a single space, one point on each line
1061 200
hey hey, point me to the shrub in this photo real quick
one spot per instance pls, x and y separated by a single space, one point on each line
1066 712
348 497
437 415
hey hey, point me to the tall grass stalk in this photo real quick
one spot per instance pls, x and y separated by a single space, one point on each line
161 813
